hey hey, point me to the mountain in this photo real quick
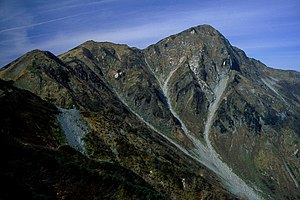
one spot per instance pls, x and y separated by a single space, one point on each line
191 116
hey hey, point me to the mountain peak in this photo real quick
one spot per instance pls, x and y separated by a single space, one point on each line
30 58
205 27
204 30
37 52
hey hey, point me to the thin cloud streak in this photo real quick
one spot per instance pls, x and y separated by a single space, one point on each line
270 44
253 26
72 5
42 23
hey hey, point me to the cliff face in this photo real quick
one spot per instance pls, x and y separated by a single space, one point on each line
183 113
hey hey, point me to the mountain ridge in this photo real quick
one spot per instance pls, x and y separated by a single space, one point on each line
176 87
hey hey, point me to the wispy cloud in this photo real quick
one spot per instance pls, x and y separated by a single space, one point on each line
66 5
255 26
270 44
43 22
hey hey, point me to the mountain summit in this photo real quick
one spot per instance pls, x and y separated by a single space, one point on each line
191 115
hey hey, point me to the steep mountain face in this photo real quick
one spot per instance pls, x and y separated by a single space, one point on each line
125 71
242 107
183 114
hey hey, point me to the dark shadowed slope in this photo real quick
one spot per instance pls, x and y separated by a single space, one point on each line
37 165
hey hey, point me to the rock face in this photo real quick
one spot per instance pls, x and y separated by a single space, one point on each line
74 128
227 117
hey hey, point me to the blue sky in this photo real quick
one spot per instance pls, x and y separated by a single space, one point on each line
266 30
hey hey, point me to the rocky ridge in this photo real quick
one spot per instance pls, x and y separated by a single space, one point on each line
227 113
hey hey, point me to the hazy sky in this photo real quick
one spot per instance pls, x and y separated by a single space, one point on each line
268 30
